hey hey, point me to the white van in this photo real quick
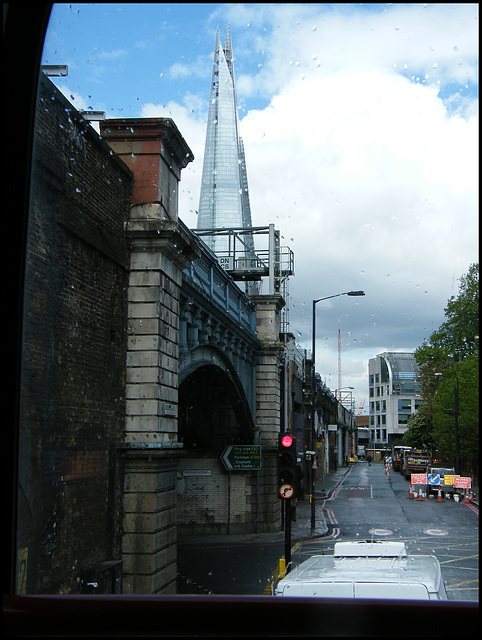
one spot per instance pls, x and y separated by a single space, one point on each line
364 569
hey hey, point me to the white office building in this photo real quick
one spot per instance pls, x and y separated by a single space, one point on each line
394 396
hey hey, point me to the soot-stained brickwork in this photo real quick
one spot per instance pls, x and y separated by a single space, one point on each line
72 409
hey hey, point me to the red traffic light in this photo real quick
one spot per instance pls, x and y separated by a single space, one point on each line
287 440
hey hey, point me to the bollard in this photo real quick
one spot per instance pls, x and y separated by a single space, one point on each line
282 567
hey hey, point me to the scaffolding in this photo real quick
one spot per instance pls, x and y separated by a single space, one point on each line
245 263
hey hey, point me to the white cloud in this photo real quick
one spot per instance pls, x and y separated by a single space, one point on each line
74 98
362 149
368 176
112 55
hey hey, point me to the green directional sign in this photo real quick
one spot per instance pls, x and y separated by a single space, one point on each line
240 457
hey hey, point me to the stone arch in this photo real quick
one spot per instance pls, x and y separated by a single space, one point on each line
213 408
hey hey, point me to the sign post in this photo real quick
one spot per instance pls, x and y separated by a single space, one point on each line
242 457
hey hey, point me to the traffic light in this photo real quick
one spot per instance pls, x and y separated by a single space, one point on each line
287 472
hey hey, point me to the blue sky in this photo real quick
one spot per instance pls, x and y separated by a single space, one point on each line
360 124
162 52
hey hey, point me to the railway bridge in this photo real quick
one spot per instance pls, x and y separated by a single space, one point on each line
204 369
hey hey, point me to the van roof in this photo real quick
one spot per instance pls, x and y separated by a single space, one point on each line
367 548
418 573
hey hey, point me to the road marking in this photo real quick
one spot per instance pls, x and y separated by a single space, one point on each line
460 584
436 532
381 532
473 507
331 516
460 558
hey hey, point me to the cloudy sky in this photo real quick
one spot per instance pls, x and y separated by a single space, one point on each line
360 125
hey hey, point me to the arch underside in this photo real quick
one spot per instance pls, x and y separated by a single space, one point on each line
213 409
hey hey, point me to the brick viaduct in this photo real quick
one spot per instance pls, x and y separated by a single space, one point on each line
142 359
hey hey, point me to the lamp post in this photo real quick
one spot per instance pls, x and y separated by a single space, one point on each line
456 426
455 413
312 443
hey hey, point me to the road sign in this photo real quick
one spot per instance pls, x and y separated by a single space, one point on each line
434 479
419 478
462 483
239 457
286 491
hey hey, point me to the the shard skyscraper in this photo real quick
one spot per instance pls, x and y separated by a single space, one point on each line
224 199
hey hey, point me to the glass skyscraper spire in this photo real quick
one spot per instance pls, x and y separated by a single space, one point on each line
224 199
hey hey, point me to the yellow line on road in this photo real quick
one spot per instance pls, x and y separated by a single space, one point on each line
459 584
460 558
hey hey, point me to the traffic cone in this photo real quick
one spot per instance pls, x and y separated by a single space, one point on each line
420 494
410 492
439 497
467 497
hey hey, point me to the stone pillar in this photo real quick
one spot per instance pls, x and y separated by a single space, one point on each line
152 448
268 405
160 249
149 541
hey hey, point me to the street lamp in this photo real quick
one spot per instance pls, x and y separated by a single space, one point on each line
456 426
455 413
312 444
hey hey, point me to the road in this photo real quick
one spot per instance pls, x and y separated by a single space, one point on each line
370 505
367 504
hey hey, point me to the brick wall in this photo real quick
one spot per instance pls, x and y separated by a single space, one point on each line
74 351
214 502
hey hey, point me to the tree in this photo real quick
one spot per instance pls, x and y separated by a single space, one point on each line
458 336
458 381
448 368
419 430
